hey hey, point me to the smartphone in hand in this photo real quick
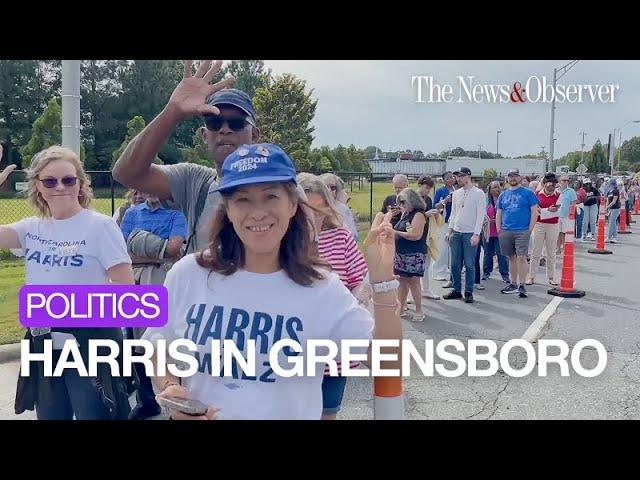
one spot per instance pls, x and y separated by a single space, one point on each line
188 406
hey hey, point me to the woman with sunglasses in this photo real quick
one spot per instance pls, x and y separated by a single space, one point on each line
260 279
411 249
339 249
68 243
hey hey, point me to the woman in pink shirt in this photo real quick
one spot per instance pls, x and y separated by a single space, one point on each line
492 246
337 247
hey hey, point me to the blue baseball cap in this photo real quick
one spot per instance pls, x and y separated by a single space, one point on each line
257 163
235 98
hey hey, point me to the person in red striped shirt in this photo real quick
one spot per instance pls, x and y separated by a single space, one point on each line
336 246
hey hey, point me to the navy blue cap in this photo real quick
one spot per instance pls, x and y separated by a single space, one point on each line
463 170
258 163
235 98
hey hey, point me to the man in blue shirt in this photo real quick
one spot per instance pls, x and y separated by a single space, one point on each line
517 213
442 199
167 229
568 197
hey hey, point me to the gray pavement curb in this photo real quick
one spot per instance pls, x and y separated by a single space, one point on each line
9 353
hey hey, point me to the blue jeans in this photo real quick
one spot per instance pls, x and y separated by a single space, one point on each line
492 247
590 219
71 394
614 213
462 252
332 393
579 217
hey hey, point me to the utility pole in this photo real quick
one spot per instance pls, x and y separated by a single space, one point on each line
562 70
582 148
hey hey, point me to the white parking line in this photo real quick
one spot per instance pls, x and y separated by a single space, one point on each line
535 329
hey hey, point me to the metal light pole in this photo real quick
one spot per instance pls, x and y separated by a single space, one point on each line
563 70
479 149
582 148
498 143
71 105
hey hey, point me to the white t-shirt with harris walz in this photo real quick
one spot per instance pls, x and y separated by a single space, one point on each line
76 251
205 306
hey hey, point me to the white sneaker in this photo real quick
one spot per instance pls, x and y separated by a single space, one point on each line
606 239
431 296
613 240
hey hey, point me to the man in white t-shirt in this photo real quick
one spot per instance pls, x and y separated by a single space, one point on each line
465 225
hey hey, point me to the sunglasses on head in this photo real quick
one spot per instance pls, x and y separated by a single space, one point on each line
215 122
53 182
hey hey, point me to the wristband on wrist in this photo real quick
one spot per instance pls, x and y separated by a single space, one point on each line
383 287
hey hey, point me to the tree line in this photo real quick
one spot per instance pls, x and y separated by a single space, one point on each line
119 97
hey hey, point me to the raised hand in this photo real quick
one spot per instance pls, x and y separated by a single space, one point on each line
380 249
190 96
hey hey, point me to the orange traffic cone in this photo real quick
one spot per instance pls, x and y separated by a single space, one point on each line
567 283
623 219
601 226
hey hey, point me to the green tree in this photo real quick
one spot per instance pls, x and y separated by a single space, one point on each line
102 112
146 88
598 160
46 131
325 165
134 127
249 74
199 153
340 154
629 153
285 112
490 174
370 152
356 157
18 105
572 159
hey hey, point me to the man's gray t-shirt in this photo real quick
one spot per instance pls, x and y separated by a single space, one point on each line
191 188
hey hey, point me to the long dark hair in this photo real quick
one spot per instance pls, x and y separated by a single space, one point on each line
298 252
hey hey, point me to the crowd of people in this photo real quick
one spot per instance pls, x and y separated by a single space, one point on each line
266 252
249 236
515 226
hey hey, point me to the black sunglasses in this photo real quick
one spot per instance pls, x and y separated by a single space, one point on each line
53 182
402 202
215 122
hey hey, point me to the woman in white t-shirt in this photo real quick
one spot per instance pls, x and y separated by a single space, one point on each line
259 279
67 243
